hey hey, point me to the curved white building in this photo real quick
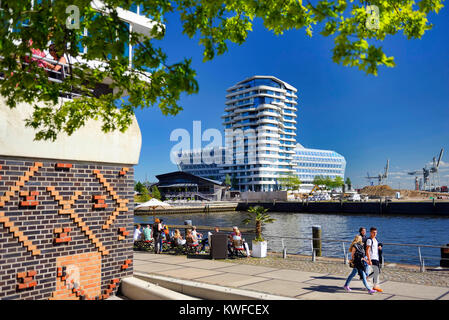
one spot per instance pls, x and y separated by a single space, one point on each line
260 129
309 163
260 133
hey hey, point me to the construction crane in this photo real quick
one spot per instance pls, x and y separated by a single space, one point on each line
429 173
381 177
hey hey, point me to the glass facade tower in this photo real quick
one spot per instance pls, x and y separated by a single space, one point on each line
260 140
260 127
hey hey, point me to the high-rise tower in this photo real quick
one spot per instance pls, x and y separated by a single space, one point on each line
260 127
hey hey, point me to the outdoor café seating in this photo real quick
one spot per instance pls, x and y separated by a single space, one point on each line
238 249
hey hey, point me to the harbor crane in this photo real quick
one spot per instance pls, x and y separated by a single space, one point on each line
429 174
381 177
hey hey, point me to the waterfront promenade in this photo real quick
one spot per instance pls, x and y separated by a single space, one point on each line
294 277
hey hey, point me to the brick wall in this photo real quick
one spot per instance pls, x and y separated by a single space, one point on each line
61 233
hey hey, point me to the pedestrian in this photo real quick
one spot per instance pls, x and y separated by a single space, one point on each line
147 233
137 233
157 230
373 257
358 264
163 236
362 232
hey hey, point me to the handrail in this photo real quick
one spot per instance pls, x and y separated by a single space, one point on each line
349 241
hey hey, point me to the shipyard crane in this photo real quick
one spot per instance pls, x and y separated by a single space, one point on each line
381 177
429 173
434 168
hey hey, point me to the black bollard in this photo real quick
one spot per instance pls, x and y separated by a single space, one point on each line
444 262
316 235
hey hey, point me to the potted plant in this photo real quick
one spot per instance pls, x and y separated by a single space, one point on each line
259 244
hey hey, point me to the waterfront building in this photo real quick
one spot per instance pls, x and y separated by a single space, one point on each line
183 185
203 164
309 163
260 129
260 141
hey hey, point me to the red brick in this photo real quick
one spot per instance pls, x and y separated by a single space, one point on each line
21 275
21 286
34 193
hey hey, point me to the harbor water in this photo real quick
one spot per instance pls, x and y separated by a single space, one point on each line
422 230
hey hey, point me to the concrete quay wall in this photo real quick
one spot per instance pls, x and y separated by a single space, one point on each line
390 208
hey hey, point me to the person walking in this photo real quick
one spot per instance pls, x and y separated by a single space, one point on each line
362 232
373 257
157 230
358 263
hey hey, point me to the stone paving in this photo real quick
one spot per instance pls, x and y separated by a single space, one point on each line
391 272
294 277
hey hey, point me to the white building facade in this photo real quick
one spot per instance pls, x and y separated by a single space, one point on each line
260 127
309 163
260 140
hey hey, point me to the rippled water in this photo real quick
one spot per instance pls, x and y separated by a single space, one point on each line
428 230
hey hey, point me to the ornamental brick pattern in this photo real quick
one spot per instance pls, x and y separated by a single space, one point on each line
65 203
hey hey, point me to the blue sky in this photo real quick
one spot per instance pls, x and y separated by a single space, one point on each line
401 115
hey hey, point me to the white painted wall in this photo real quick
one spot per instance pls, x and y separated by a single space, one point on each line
87 144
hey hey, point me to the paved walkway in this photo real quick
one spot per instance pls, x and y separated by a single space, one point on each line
284 282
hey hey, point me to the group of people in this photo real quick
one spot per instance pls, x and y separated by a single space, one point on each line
159 232
366 259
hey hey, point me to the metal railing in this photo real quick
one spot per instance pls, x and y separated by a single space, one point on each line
52 75
345 253
417 248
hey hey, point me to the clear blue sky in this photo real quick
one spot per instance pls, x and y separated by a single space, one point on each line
402 114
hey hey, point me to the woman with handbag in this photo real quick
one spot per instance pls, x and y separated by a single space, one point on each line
358 263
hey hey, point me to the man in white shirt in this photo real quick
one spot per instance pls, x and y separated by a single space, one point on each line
137 233
372 254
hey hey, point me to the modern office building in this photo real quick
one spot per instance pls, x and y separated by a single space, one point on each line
309 163
203 164
260 127
260 140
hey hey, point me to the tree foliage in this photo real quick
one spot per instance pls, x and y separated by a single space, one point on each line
228 181
145 196
152 80
329 183
348 182
155 193
138 186
290 181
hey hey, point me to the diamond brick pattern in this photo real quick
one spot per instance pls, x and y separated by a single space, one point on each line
28 234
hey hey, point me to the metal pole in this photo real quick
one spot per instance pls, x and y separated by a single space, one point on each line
316 235
345 257
420 260
284 250
313 252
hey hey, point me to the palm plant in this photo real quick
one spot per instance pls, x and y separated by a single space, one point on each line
259 215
